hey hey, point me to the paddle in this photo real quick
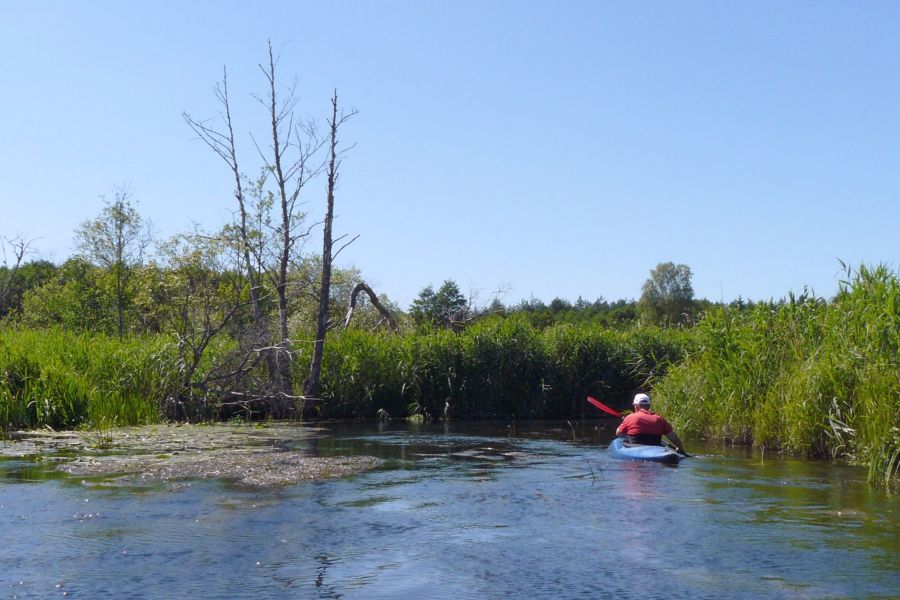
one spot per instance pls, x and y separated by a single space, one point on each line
616 413
603 407
670 445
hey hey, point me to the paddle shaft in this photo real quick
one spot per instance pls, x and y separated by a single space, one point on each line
604 407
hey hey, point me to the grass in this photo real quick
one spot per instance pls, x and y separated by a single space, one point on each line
497 367
62 380
809 376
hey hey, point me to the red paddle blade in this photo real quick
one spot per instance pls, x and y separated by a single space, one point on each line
603 407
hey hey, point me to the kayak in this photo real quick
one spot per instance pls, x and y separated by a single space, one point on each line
618 449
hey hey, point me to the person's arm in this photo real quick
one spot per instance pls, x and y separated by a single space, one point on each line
677 442
620 430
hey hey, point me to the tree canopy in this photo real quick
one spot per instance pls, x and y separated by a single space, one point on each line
667 296
443 308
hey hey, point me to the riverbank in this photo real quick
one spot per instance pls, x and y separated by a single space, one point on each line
809 376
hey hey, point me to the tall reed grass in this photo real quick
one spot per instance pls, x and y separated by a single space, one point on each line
497 367
58 379
810 376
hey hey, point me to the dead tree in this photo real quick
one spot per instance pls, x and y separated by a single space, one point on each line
222 142
270 230
311 385
293 146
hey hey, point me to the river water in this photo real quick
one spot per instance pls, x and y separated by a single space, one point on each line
462 510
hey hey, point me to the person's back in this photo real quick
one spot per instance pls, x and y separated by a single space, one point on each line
644 426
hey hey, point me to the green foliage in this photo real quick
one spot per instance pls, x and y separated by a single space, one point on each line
116 241
810 376
27 277
445 308
496 367
64 380
73 299
667 295
617 314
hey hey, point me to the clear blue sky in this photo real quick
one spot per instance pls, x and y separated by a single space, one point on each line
550 148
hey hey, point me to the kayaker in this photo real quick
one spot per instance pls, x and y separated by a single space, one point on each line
644 426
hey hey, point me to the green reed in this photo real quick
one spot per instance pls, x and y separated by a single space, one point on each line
809 376
63 380
497 367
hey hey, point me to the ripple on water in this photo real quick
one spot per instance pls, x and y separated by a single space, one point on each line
505 518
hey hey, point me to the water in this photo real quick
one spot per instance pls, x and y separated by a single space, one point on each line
461 511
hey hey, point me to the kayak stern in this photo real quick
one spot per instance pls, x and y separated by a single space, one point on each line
618 449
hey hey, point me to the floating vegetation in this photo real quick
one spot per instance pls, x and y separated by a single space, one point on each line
269 455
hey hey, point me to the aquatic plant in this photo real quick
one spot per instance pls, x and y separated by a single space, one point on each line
58 379
496 367
809 375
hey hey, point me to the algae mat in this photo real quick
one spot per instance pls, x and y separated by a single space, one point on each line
270 454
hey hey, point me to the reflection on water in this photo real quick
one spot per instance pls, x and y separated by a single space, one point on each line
461 511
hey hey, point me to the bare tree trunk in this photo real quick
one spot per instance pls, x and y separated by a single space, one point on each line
287 160
223 144
284 382
311 385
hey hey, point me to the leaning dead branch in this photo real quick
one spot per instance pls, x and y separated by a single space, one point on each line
373 298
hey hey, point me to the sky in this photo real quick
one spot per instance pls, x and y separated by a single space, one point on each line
531 149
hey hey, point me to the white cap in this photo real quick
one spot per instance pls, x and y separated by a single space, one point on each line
641 400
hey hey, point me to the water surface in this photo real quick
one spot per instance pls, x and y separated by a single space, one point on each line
467 510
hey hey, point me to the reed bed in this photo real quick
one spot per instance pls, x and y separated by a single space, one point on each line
63 380
808 376
495 368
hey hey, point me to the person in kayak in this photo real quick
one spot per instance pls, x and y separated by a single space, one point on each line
644 426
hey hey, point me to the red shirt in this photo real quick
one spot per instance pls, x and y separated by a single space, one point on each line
644 422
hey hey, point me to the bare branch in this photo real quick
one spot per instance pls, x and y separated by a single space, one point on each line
355 237
363 287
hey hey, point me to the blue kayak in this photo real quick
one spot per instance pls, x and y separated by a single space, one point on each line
618 449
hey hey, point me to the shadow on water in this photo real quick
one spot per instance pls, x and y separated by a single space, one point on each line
462 510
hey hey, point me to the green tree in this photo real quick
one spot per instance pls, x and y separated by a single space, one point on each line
446 307
116 241
28 276
73 298
667 296
558 305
